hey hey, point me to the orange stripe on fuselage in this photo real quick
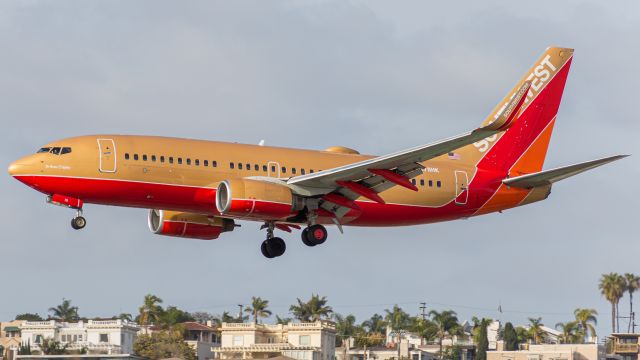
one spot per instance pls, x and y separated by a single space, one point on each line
531 161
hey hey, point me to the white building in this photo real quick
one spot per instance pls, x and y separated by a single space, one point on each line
301 341
96 336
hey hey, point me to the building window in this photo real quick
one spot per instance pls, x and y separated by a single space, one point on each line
37 339
104 338
305 340
126 156
238 340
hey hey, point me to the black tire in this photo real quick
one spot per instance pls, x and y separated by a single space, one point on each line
316 234
265 251
276 246
305 239
78 222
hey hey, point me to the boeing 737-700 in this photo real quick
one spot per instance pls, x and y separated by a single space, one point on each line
199 189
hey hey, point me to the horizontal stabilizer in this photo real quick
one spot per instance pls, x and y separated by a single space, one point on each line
550 176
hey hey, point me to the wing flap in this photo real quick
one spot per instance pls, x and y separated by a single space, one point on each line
550 176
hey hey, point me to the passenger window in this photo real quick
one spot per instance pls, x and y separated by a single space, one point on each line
231 165
302 171
55 150
293 170
126 156
135 157
421 182
248 167
43 150
197 162
153 158
65 150
179 161
206 163
188 161
239 166
310 171
162 158
144 157
273 168
438 183
413 181
264 168
170 159
284 170
256 167
214 163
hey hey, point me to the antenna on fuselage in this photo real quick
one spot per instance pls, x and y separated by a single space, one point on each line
261 143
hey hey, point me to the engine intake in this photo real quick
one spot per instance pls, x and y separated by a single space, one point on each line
188 225
255 199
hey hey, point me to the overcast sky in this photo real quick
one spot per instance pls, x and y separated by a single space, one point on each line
375 76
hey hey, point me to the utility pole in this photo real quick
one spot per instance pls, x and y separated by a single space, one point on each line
240 313
423 307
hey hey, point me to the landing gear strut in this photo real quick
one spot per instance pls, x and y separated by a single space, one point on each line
273 246
78 222
314 235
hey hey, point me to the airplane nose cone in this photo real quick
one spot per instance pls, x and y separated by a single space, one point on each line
14 168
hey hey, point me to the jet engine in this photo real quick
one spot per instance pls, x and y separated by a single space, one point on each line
188 225
246 198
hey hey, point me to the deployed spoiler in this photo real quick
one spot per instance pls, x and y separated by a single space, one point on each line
550 176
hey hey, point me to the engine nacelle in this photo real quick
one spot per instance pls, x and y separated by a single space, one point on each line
188 225
245 198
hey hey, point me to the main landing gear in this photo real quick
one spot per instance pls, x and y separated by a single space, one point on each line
78 222
274 246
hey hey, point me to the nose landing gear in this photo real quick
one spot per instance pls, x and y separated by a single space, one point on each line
78 222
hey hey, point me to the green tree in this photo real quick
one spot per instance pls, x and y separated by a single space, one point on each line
151 311
345 327
65 311
25 348
172 316
203 316
283 320
258 308
586 319
522 335
163 345
29 317
446 323
375 324
483 340
397 318
612 286
536 334
124 317
313 310
632 283
510 337
570 332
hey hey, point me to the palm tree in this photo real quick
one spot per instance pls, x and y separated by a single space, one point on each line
258 308
612 286
125 317
345 327
535 330
570 332
313 310
65 311
446 323
150 311
586 320
632 284
375 324
397 318
282 320
228 318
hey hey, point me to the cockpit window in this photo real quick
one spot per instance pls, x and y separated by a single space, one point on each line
43 150
55 151
65 150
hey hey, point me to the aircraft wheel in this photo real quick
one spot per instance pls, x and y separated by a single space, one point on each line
316 234
305 238
276 246
264 250
78 222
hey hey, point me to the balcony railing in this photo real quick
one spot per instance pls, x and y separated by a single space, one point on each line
626 348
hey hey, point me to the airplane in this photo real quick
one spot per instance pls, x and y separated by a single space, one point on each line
199 189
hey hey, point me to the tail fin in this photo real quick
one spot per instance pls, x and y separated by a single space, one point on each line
523 147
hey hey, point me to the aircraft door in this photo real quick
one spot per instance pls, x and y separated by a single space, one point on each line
107 149
462 187
273 169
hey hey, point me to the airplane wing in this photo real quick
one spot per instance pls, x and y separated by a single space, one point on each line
343 184
550 176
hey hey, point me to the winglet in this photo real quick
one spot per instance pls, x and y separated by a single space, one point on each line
509 112
550 176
